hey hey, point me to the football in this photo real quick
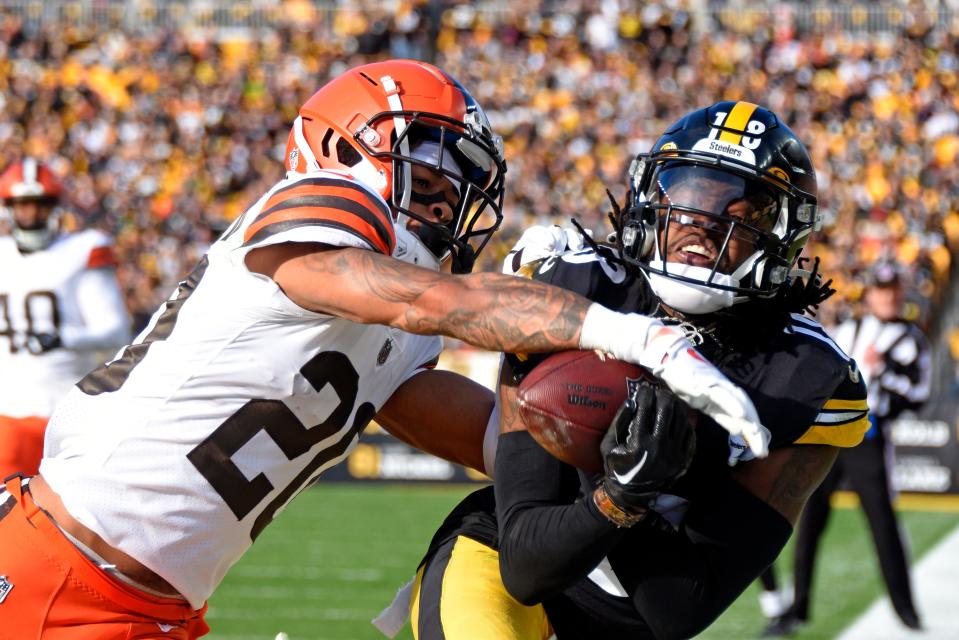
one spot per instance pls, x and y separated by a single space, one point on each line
570 398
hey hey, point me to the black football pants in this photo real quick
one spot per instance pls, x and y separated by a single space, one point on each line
865 468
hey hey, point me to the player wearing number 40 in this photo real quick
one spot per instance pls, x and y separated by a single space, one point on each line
61 309
318 310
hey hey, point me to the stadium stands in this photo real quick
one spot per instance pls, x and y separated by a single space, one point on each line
171 116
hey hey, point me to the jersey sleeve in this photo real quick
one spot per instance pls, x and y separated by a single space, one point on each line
805 388
102 257
425 357
94 248
328 209
843 419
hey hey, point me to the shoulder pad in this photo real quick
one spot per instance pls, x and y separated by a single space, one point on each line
843 417
320 206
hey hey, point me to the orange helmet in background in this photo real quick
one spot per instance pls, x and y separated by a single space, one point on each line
370 121
31 181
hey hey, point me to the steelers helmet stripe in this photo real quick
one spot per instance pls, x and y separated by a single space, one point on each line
737 120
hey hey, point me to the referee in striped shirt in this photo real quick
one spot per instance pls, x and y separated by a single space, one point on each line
893 357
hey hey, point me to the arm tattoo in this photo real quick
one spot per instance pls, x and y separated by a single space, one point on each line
509 416
802 472
491 311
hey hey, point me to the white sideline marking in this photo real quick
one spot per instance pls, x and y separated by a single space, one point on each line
934 586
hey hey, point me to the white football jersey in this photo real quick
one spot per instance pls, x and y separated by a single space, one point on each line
233 399
56 294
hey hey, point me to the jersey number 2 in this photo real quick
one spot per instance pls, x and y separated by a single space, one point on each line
213 457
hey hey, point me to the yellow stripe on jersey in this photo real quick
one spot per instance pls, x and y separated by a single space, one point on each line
846 405
840 423
846 434
737 120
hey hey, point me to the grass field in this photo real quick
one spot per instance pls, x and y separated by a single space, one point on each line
337 555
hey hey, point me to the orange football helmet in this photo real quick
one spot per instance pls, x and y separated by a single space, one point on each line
31 181
369 121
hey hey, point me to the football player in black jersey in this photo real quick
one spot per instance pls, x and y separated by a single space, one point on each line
666 539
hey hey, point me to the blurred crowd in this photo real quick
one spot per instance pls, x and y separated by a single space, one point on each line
165 135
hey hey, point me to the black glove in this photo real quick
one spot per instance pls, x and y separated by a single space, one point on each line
649 445
38 343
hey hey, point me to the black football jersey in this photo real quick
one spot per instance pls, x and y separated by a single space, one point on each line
805 389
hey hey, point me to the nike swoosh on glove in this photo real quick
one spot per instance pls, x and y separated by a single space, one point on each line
649 444
672 359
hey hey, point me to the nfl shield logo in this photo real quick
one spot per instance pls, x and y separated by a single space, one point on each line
5 587
294 158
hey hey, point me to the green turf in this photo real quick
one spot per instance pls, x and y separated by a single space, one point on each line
337 555
330 562
847 577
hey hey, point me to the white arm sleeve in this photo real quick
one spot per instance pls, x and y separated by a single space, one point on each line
106 323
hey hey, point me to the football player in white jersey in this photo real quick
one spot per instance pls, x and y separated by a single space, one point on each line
60 308
316 311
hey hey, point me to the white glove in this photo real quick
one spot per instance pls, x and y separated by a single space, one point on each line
666 352
672 359
541 242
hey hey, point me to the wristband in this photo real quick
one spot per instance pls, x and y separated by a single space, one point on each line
614 514
627 336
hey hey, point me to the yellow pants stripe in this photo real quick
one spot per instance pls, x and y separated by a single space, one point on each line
474 604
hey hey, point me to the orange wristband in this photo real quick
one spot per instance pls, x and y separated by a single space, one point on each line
613 513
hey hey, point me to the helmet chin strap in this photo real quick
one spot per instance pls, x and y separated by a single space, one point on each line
687 297
409 248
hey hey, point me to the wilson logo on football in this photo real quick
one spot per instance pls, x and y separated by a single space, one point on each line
579 400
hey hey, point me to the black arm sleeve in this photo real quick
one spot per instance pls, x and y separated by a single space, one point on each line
546 543
685 579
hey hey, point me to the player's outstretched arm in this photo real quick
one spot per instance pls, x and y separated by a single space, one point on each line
486 310
501 313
